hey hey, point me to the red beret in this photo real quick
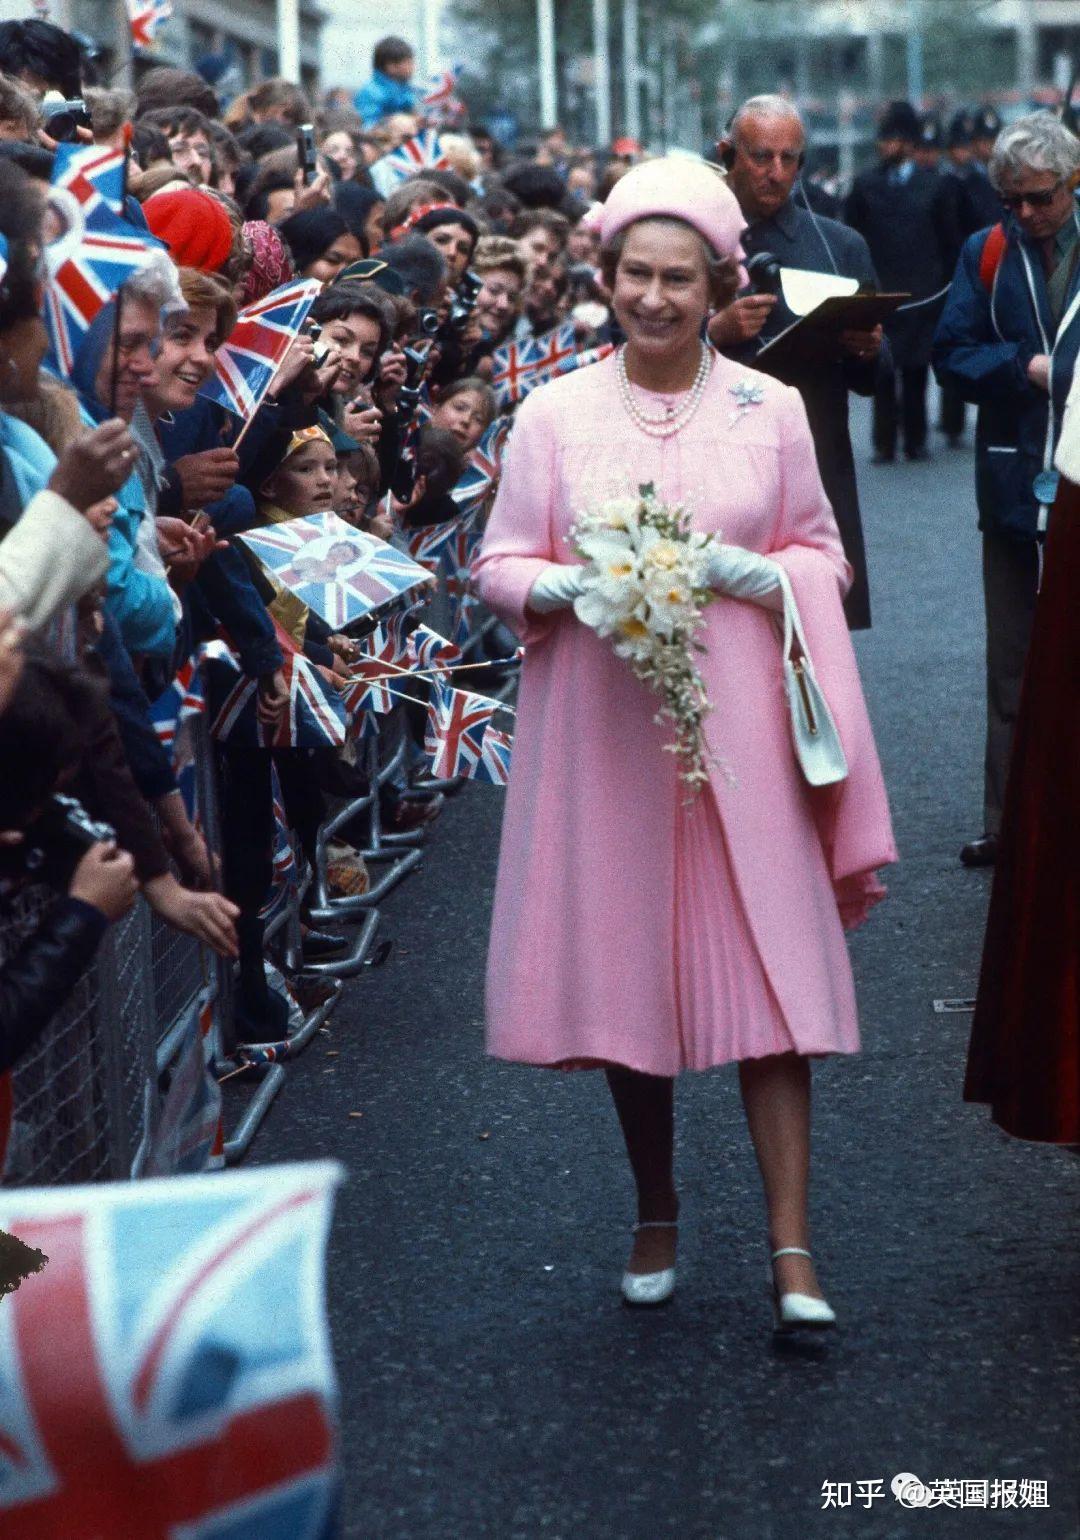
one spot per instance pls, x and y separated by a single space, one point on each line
194 226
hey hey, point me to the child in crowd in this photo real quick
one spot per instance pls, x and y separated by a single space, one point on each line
466 409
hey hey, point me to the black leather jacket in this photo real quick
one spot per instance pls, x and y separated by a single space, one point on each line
40 974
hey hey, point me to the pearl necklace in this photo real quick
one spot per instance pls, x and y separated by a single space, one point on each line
674 419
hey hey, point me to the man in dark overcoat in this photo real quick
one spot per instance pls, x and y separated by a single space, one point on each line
762 153
908 217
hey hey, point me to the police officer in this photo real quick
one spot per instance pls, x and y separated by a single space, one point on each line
983 203
762 152
908 217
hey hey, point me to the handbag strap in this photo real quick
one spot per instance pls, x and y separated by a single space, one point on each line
793 626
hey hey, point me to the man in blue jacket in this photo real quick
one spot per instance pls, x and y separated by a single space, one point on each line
1008 340
390 88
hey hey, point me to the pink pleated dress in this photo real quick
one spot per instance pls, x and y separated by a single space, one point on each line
634 925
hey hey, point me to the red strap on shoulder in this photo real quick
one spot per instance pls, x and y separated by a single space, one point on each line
992 253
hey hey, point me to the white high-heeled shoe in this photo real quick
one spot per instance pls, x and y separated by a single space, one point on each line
794 1312
650 1288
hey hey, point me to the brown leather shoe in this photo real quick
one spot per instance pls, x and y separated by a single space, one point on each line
980 852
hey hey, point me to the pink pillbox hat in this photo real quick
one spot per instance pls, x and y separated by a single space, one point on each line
678 188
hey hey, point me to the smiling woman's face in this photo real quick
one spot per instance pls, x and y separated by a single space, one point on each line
661 292
186 360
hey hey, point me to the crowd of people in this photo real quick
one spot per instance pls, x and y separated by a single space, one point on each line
124 487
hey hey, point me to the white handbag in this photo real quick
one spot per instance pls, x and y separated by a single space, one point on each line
817 742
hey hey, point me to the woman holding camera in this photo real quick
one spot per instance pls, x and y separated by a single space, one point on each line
635 930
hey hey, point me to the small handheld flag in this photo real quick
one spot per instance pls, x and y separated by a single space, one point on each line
253 353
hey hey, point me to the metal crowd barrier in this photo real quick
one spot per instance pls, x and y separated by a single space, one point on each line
140 1073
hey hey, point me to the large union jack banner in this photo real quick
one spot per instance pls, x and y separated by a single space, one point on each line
339 572
264 332
168 1373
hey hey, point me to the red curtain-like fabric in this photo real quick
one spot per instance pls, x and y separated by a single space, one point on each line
1024 1056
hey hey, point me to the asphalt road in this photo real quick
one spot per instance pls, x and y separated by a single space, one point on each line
491 1384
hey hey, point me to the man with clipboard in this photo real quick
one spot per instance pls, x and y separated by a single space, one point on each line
762 153
1008 340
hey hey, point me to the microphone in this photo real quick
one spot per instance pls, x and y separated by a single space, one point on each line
763 271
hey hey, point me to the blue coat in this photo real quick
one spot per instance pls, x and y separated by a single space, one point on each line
381 96
982 347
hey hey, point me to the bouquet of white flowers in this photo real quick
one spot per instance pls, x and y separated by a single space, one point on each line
645 586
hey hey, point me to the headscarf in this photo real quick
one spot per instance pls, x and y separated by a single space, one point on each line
271 264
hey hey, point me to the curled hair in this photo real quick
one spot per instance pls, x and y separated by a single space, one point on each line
723 271
495 251
355 297
1037 142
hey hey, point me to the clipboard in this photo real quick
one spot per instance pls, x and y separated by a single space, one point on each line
804 341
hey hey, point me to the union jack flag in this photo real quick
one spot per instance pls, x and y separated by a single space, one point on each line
139 1399
582 360
185 697
556 347
457 581
513 365
456 724
315 718
536 360
441 87
264 332
85 276
386 651
427 649
481 475
423 152
428 542
493 766
93 175
339 572
144 18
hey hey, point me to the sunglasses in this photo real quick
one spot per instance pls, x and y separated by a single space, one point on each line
1014 202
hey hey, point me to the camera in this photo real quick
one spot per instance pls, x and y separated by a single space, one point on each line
427 322
63 119
409 394
54 844
464 302
306 153
320 355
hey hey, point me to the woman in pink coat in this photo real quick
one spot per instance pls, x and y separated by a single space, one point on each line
635 931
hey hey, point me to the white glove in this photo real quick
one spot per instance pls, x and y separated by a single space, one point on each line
555 589
742 574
